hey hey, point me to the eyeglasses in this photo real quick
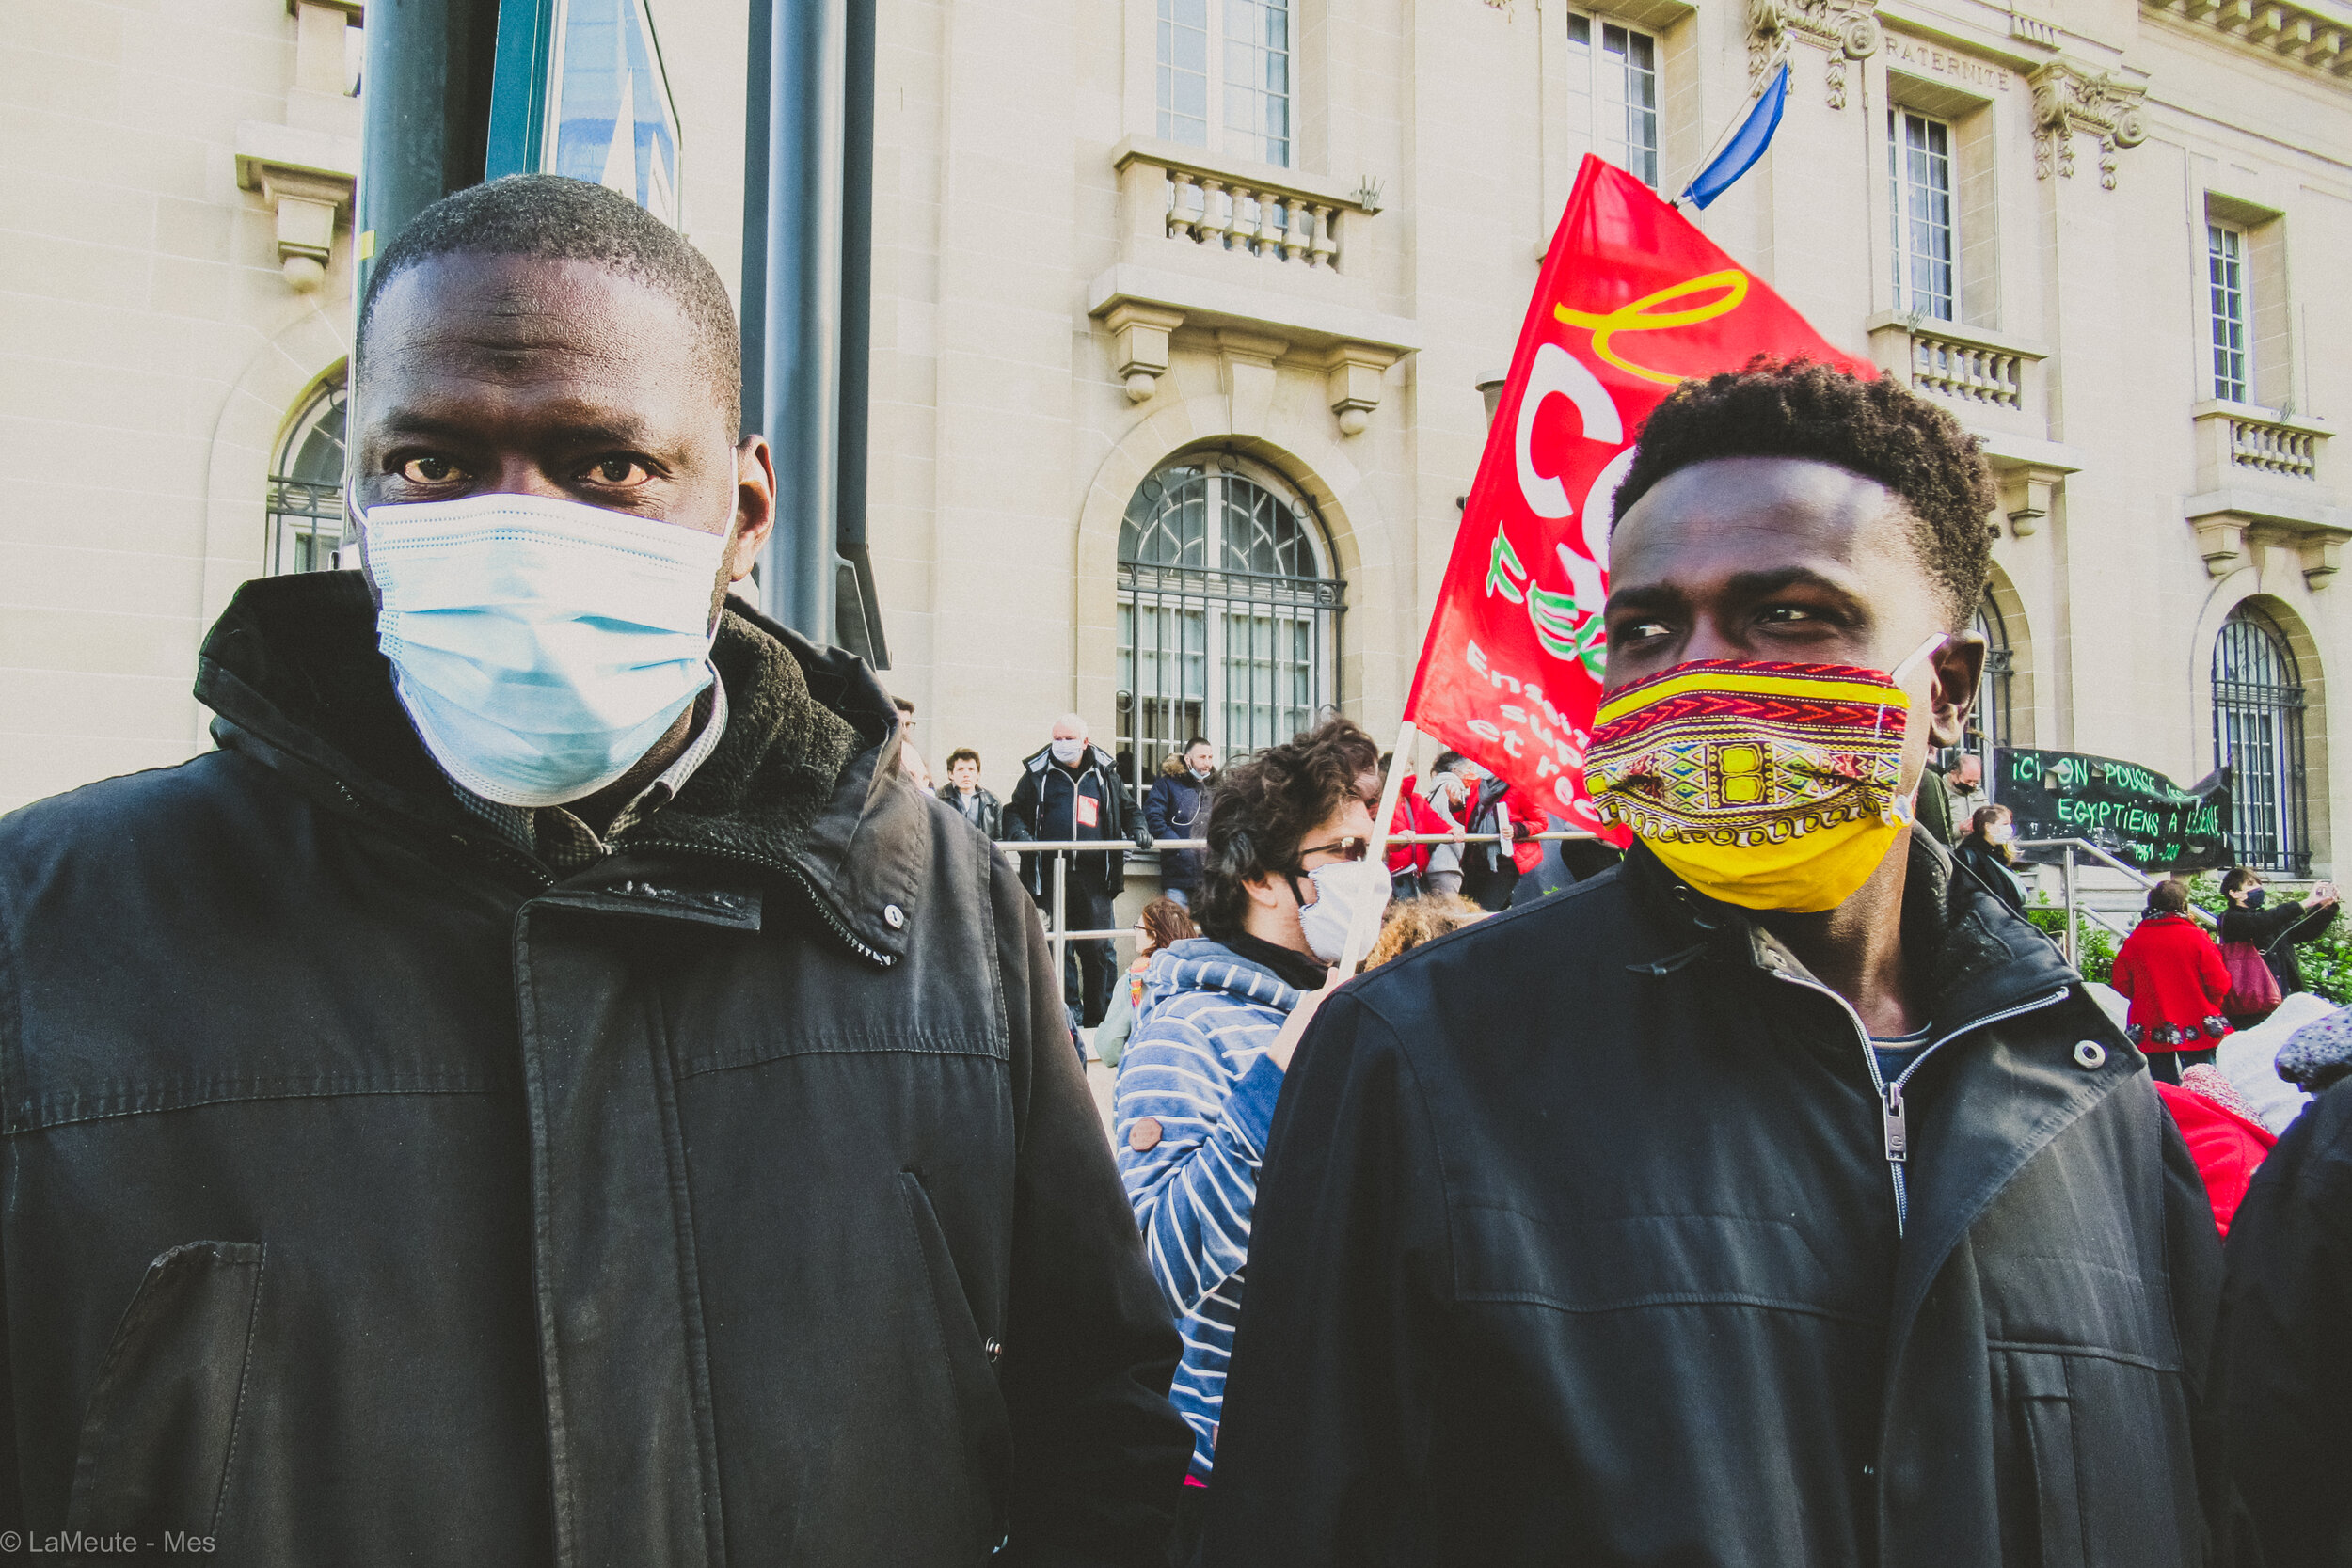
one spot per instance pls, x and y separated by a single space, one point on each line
1349 849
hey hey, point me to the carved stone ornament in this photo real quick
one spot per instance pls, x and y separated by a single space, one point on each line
2069 96
1843 29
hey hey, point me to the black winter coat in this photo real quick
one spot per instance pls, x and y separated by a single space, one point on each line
2288 1378
1043 808
1178 807
991 822
377 1197
2278 930
1577 1243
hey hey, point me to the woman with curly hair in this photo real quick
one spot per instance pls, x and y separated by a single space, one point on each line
1413 921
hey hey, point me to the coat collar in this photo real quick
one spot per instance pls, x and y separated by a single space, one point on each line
1978 956
805 781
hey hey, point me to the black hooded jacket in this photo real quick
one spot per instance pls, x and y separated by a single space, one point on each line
2288 1381
375 1196
1048 807
1577 1243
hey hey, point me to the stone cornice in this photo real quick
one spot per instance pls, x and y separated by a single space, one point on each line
2069 96
2315 36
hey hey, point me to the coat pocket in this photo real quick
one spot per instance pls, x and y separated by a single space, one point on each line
2044 1413
968 1355
161 1431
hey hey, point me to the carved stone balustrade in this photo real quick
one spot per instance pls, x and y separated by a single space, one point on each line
2260 473
1230 250
1995 378
1245 211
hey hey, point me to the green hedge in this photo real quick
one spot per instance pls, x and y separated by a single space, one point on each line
2326 962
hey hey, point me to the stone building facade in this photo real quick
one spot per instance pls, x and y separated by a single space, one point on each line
1181 314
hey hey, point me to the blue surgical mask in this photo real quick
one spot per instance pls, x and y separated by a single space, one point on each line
2254 898
541 646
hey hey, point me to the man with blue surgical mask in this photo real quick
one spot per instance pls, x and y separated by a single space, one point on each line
571 1100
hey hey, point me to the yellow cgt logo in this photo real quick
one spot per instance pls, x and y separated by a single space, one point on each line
1637 317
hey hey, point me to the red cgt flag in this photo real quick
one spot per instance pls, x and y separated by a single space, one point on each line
1632 300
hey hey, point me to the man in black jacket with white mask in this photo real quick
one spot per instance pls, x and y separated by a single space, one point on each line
1069 792
1779 1198
549 1089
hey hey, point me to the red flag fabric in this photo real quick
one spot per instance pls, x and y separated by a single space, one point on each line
1632 300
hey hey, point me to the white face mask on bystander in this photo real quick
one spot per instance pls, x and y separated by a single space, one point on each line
1341 890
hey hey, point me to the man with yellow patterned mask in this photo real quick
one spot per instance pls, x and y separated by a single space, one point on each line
1780 1197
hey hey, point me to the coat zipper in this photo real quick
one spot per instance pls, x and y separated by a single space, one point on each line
497 850
1894 1124
546 879
769 862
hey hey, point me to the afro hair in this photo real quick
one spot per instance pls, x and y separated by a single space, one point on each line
1876 428
558 219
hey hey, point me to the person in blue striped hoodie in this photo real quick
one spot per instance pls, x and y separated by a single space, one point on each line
1283 873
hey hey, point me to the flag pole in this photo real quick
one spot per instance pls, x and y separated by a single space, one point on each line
1365 929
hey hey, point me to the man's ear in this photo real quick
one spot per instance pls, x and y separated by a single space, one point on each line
1260 891
754 505
1959 665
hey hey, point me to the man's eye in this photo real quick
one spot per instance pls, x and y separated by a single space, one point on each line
430 471
618 470
1787 614
1634 631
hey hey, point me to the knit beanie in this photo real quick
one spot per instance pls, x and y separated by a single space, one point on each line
2318 1054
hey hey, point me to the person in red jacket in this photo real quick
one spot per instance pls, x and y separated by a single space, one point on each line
1408 863
2175 975
2227 1142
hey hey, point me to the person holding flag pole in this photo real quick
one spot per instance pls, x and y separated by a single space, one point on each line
1778 1197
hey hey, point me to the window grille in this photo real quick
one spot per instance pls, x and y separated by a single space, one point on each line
1224 76
1623 85
305 488
2258 734
1989 720
1227 616
2225 282
1628 82
1919 163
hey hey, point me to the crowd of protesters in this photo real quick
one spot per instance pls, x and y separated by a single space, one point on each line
571 1091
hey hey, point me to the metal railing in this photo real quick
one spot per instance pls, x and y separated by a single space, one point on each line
1059 939
2074 847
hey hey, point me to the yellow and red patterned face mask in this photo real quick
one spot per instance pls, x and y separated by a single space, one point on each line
1767 785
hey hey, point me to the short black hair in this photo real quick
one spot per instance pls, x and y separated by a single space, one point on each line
1263 810
558 219
1877 428
963 753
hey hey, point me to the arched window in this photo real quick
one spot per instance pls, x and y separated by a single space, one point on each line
1227 613
306 487
1989 720
2258 734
